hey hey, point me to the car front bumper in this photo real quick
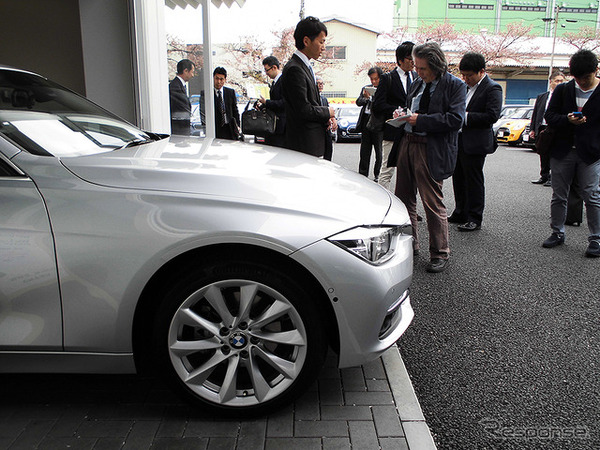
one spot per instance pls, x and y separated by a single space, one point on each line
371 302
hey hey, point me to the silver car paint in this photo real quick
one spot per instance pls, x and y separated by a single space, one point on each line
141 207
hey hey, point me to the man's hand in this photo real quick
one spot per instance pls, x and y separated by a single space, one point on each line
332 124
576 120
532 134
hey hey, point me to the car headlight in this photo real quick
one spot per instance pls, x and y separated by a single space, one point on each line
343 123
375 244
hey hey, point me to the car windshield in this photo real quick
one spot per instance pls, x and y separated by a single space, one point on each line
349 112
46 119
521 113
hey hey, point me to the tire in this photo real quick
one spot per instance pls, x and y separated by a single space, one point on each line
239 338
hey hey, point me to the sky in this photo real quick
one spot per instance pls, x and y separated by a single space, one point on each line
260 17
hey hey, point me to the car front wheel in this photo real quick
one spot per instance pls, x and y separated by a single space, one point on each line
240 337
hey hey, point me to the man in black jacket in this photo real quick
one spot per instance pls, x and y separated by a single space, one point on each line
275 102
391 94
475 142
227 116
538 124
369 139
307 121
179 101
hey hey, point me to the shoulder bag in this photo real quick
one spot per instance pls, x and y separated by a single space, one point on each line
259 122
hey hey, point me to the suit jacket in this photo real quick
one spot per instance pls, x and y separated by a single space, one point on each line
181 108
277 105
306 119
483 110
539 108
363 116
442 122
230 130
389 96
585 137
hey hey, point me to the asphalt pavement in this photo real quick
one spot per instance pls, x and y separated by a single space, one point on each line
504 348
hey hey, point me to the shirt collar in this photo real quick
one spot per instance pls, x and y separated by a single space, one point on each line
304 59
182 80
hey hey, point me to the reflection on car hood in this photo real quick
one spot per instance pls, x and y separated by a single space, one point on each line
235 171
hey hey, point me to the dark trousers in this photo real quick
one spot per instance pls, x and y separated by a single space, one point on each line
413 175
370 140
226 132
469 186
544 160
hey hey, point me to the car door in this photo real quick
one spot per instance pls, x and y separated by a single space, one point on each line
30 313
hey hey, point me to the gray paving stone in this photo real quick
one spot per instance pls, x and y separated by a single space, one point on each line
171 428
393 444
378 386
363 435
330 392
71 443
5 442
418 435
336 444
190 443
108 443
11 428
105 428
141 435
325 428
374 369
69 422
353 379
222 443
332 412
42 412
207 428
127 412
330 372
252 435
387 422
293 444
369 398
281 424
35 431
307 407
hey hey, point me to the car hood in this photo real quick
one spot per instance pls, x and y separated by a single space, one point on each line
239 172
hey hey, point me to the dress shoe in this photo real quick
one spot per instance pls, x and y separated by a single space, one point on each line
573 224
436 265
469 226
455 219
419 218
541 180
593 250
554 240
548 183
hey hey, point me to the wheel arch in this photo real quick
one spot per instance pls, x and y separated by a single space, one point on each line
157 286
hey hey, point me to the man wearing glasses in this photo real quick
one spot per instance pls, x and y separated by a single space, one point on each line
275 102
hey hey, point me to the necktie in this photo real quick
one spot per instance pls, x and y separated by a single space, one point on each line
221 111
408 82
425 98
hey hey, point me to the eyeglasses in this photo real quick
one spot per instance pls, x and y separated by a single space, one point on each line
267 70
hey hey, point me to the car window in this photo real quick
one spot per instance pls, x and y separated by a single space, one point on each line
349 112
45 119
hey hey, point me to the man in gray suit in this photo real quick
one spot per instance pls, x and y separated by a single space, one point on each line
427 154
179 101
307 121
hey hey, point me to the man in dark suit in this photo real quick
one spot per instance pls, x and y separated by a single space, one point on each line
369 139
574 114
307 121
428 149
275 102
227 116
475 142
391 94
179 101
538 124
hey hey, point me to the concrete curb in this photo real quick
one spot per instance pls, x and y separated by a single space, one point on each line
413 422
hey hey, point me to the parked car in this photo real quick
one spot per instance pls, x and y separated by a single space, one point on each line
506 112
526 140
228 267
347 116
511 131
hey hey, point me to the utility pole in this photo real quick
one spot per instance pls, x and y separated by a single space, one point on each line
555 20
301 9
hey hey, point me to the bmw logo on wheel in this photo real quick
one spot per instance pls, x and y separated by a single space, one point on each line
238 340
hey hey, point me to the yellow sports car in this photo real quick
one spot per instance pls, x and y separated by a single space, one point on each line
511 131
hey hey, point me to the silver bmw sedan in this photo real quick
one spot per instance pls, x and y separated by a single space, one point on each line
229 268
